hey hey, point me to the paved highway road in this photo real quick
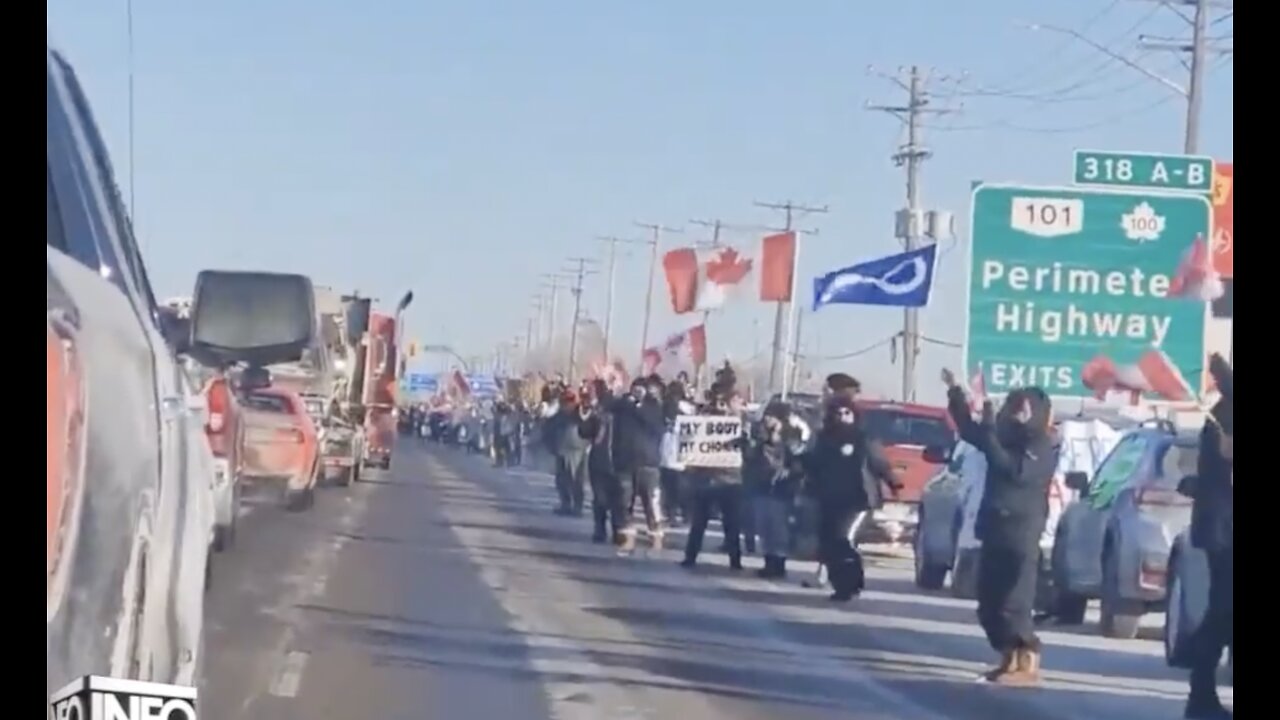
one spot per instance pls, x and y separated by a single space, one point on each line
447 589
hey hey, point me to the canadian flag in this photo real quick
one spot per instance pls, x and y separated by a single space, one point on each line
458 385
1196 278
614 374
977 389
704 279
682 351
1153 373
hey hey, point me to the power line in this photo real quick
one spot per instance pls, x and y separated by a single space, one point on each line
1054 57
1071 92
861 351
1179 94
1062 98
1085 76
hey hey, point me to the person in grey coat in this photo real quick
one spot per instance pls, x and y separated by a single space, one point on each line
772 474
571 449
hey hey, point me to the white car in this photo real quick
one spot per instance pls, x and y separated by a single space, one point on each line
129 512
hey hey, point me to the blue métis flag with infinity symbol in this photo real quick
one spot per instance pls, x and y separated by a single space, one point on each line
899 280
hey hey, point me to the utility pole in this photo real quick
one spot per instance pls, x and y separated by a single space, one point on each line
795 351
1195 87
1199 48
653 243
613 243
580 273
716 226
779 347
553 285
912 155
538 302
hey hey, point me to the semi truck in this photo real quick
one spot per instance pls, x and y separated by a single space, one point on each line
348 381
378 384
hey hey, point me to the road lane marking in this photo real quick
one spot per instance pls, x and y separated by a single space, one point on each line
289 678
309 582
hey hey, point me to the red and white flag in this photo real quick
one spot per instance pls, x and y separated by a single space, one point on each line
685 350
1153 373
614 374
704 279
458 385
1196 278
977 389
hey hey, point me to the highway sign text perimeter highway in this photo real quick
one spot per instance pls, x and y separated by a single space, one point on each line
1064 277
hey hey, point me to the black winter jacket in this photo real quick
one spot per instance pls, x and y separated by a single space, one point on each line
1213 516
637 433
1015 500
598 430
847 470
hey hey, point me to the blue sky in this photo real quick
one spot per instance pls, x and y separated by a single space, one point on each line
461 148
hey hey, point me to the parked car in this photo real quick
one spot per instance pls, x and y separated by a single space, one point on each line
281 444
1114 542
128 476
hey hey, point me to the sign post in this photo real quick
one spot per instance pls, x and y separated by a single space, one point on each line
1185 173
1065 282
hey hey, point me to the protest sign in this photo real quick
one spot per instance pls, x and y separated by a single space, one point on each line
709 441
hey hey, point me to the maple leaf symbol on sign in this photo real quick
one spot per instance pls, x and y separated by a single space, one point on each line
728 268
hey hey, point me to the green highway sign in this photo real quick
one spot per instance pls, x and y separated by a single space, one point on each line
1060 278
1188 173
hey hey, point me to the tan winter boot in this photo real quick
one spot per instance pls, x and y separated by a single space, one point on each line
1004 667
1030 665
1025 671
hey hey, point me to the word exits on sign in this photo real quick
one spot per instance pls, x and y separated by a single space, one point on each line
709 441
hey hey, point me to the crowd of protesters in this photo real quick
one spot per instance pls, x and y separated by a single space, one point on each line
623 446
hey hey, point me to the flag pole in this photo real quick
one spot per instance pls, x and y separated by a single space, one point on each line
789 359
